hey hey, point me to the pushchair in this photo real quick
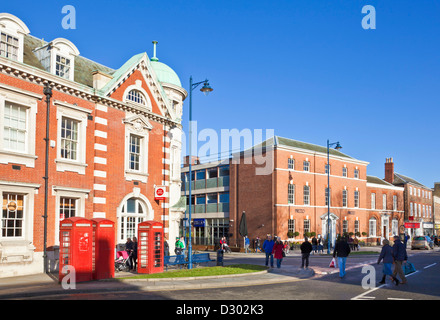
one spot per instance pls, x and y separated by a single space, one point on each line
121 262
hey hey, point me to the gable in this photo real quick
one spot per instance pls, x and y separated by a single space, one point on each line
136 81
135 69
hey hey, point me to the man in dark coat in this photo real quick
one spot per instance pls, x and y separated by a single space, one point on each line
342 250
400 256
306 248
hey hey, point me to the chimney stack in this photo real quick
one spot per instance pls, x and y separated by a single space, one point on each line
389 170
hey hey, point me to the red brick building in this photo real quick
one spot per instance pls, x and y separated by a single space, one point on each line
418 202
282 187
115 134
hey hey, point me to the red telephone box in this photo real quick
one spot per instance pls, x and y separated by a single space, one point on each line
76 248
103 260
150 247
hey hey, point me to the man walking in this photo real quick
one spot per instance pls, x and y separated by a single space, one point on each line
268 247
400 256
342 250
306 248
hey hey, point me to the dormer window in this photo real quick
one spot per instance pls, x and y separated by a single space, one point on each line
62 67
58 57
12 31
9 46
136 96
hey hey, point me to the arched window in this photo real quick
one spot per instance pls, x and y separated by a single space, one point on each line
136 96
132 213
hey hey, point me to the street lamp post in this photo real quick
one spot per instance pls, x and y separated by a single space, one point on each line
48 93
206 89
338 146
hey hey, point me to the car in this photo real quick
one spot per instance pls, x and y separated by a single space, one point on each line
422 242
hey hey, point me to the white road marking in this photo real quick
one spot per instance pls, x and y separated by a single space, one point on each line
431 265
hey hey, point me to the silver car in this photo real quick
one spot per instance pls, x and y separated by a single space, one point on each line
422 242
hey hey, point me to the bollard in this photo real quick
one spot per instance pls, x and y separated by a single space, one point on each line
220 257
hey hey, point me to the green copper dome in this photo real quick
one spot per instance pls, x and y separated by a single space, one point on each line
165 73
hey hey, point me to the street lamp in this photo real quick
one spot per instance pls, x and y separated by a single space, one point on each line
337 147
47 91
206 89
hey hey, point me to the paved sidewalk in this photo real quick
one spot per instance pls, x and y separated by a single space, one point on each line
47 284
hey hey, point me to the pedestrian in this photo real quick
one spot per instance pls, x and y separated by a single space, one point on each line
178 247
278 251
341 251
306 248
350 243
129 249
182 240
268 247
133 256
246 244
257 244
387 256
356 243
399 256
166 247
405 240
314 244
320 245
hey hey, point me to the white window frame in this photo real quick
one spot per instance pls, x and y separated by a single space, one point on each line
344 198
306 166
291 194
28 190
81 196
79 114
63 66
140 127
27 100
356 199
372 227
373 201
384 201
306 197
14 27
138 87
394 202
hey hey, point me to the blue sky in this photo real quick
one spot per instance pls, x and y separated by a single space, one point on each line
306 69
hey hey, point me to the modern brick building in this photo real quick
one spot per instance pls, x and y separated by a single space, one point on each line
282 185
115 135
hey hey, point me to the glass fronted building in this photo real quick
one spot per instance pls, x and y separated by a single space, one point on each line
210 202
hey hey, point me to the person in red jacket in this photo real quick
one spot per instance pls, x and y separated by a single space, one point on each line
278 251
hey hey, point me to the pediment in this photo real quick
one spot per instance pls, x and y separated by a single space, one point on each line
138 124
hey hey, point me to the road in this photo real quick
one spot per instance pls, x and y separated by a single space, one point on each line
325 285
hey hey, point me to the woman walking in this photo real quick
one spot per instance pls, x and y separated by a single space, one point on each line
387 256
278 251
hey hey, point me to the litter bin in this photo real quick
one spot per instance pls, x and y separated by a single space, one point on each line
220 257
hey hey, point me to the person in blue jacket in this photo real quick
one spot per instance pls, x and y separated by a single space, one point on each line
387 256
268 247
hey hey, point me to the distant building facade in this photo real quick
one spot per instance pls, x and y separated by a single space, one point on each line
418 202
290 196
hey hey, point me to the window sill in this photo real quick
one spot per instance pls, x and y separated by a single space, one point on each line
66 165
131 175
17 158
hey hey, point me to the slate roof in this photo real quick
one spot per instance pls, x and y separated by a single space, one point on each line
83 67
376 180
400 179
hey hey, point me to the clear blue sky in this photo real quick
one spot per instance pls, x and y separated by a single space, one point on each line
306 69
